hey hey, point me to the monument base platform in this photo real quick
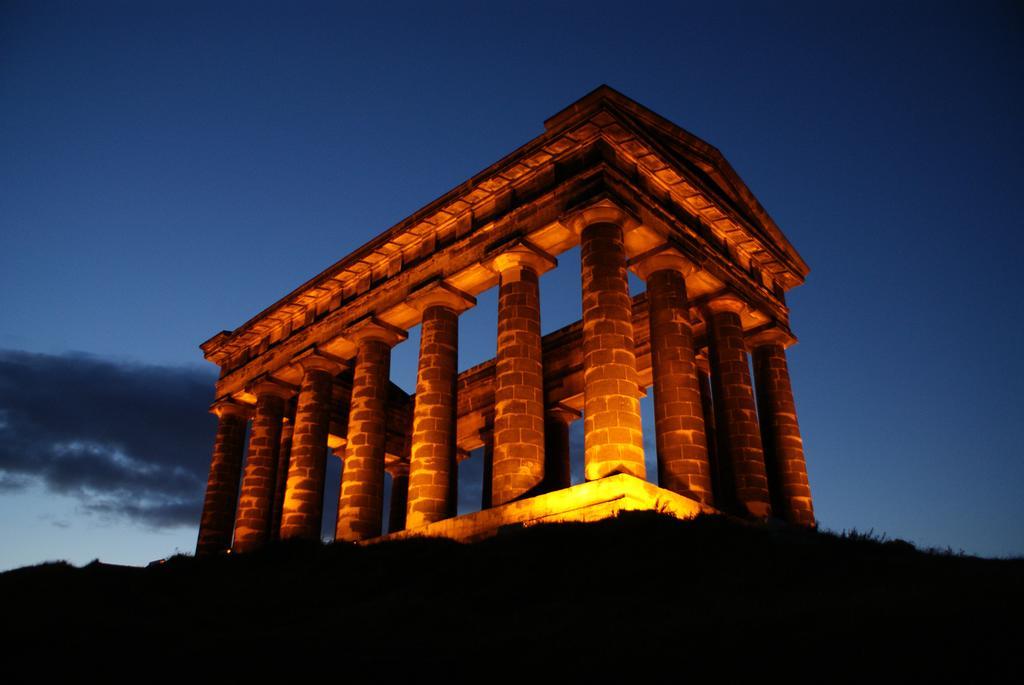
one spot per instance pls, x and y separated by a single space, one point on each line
590 501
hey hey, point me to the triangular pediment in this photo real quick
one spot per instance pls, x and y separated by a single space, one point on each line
601 144
683 154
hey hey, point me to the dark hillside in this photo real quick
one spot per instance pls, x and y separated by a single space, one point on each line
642 592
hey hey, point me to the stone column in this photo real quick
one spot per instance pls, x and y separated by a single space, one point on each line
433 472
557 473
518 466
783 446
613 437
739 437
254 519
708 410
283 455
361 497
218 517
302 512
399 496
678 415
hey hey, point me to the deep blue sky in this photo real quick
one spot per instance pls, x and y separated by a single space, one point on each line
167 170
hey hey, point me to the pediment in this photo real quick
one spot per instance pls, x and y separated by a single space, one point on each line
604 129
691 168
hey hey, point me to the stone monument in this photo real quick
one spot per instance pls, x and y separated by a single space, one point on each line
309 376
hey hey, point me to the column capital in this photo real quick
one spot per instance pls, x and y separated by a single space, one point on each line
726 302
702 361
440 293
397 469
563 412
771 334
432 471
486 432
601 212
612 431
219 503
372 328
660 258
268 385
311 359
302 510
516 254
228 406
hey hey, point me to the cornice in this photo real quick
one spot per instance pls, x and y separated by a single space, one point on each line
630 130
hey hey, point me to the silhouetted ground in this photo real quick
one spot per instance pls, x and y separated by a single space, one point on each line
642 593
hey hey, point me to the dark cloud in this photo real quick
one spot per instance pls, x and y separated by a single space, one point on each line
131 441
11 482
126 440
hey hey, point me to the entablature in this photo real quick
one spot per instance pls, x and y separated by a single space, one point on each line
604 154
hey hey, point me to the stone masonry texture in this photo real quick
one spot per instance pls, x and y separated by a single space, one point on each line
252 524
739 438
432 468
362 481
633 192
304 492
222 485
678 415
784 449
613 441
710 433
283 456
518 466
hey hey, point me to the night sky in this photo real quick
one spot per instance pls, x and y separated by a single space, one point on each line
169 169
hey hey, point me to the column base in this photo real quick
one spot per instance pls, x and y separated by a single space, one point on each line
590 501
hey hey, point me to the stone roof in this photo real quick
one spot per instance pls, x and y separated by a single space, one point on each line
671 162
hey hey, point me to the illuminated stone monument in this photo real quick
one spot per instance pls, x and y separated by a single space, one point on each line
634 192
